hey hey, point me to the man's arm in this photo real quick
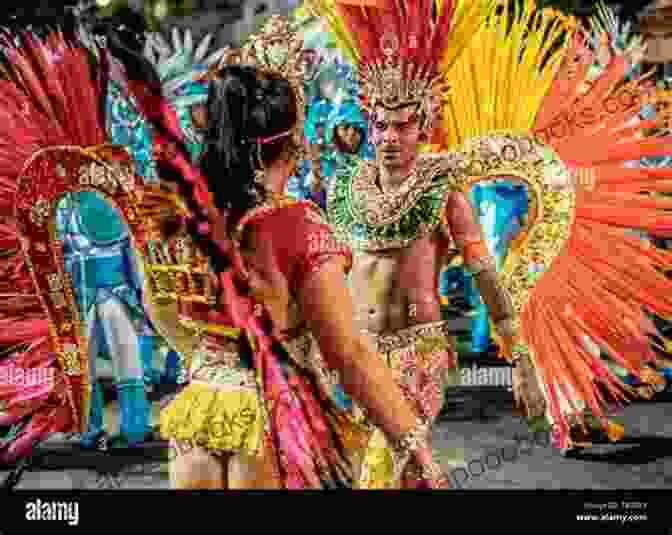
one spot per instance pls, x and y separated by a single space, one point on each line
461 223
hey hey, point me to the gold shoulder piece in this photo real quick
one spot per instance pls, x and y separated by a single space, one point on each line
525 160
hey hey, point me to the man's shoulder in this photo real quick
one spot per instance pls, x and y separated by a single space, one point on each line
443 173
442 164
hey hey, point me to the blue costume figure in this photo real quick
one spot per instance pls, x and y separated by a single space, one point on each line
346 139
336 128
107 276
108 281
108 286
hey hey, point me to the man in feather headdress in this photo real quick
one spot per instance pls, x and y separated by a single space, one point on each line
400 215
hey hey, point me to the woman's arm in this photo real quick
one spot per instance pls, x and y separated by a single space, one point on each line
329 310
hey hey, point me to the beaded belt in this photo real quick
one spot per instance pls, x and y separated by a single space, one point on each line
216 361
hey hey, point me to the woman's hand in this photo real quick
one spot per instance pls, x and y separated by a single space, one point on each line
432 475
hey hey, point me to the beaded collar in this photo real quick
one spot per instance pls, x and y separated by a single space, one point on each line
370 219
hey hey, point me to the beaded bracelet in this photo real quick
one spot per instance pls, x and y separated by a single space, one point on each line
412 440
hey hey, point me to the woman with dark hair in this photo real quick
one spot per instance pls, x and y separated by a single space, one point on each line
261 408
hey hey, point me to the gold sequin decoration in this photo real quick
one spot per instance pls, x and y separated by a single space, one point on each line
552 195
71 359
40 212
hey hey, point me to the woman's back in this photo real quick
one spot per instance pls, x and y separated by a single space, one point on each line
282 247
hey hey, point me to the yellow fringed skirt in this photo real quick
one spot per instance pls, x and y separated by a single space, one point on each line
219 419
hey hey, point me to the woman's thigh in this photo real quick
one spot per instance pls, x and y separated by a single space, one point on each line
253 472
196 468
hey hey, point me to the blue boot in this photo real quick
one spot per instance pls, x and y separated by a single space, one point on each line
152 375
480 326
481 330
134 411
89 439
173 364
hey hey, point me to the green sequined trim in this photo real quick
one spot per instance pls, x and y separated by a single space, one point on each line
417 221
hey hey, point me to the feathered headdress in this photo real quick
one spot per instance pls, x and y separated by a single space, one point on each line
179 65
539 113
401 48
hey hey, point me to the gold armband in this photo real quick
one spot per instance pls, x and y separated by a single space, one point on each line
476 257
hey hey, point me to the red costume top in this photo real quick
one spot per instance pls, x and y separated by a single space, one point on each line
281 248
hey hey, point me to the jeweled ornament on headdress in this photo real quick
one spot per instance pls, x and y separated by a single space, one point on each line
275 50
386 82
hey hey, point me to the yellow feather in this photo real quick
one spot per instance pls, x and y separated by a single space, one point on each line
469 16
500 80
326 9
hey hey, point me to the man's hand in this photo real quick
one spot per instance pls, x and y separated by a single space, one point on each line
505 344
526 388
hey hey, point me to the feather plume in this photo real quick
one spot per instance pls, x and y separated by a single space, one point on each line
50 96
402 41
604 281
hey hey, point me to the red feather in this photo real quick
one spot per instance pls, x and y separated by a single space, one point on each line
49 97
422 35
